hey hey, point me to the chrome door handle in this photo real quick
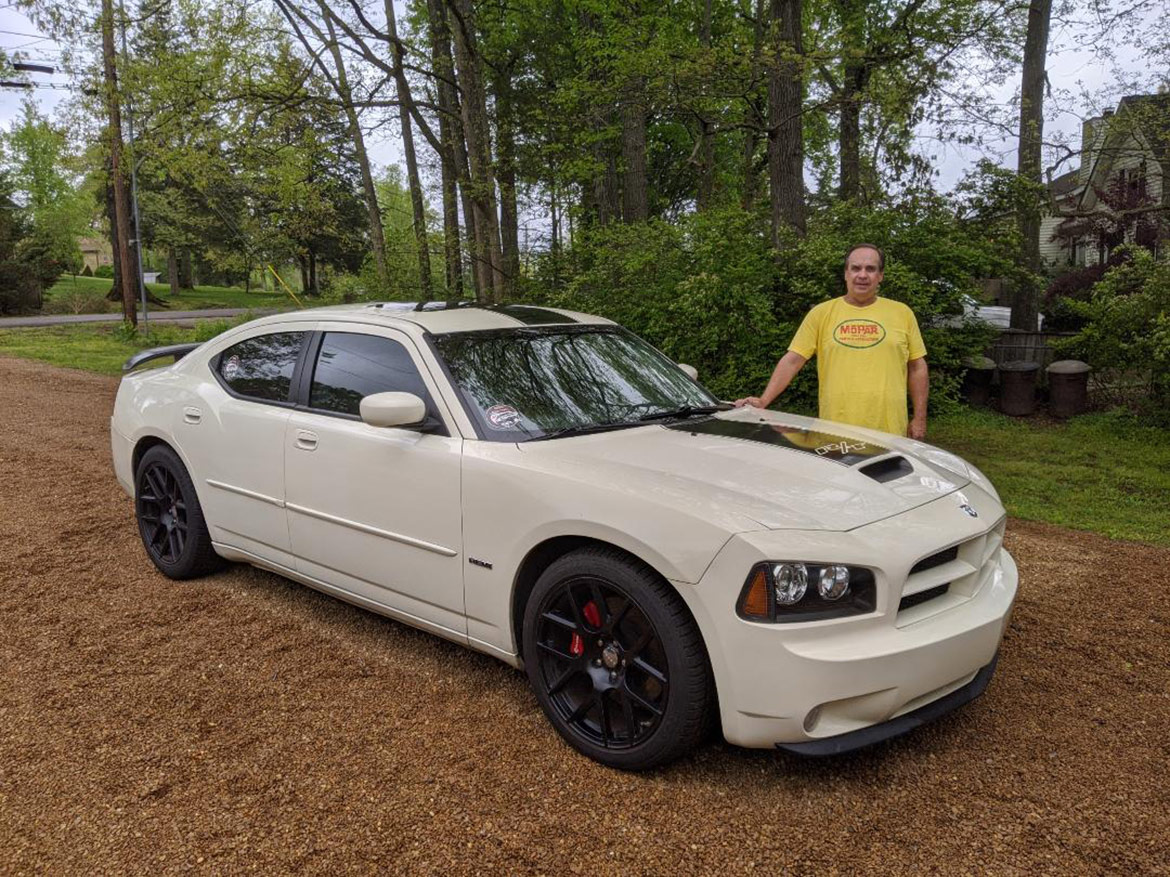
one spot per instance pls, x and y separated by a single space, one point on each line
192 415
306 441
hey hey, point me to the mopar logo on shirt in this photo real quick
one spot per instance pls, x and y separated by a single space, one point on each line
859 333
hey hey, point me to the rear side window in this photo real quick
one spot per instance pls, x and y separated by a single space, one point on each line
351 367
262 367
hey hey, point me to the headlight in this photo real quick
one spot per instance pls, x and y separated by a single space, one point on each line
779 591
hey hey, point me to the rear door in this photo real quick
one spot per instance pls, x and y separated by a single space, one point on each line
234 439
376 511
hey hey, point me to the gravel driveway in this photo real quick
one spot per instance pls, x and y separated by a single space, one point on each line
243 722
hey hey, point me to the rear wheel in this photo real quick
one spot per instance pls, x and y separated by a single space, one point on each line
170 519
616 660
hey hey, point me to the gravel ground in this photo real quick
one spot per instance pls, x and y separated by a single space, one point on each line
243 722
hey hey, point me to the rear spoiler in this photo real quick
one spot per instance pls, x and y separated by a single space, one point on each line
178 351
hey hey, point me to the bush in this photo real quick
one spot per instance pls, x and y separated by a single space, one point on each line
104 271
708 290
1126 333
76 301
20 289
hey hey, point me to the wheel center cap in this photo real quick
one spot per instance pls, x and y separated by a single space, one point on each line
610 657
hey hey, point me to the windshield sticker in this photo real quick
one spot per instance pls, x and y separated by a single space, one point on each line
827 446
231 368
504 417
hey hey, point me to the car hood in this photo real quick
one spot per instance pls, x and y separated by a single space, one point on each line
750 469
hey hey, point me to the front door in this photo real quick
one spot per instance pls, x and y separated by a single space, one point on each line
376 511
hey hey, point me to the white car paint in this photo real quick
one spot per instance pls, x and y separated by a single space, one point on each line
433 530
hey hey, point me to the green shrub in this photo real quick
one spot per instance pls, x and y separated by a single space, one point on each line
20 289
708 290
104 271
76 302
1126 333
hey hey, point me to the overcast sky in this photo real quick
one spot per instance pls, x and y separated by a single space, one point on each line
1083 84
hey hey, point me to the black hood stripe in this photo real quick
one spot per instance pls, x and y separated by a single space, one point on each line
530 315
827 446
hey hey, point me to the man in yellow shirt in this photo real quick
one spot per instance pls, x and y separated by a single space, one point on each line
869 354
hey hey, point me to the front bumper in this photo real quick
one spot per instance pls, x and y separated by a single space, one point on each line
823 685
892 728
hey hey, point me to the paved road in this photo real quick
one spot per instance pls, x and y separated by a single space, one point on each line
154 316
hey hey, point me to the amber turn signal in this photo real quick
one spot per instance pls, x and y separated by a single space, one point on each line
755 601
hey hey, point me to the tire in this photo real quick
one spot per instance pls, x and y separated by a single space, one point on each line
170 519
616 660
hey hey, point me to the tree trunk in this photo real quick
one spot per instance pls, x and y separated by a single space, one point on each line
120 227
186 275
785 108
1026 304
448 123
173 270
479 152
373 212
854 80
751 114
314 288
405 103
303 262
706 191
506 154
634 200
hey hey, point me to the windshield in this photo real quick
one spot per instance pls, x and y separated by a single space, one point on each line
529 383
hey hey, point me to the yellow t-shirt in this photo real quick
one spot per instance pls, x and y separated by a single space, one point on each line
861 360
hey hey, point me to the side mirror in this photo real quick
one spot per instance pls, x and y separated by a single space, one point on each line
393 409
689 370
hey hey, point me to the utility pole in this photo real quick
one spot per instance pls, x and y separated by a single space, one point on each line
137 239
121 216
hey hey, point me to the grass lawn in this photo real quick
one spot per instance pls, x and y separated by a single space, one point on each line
100 347
1101 472
91 289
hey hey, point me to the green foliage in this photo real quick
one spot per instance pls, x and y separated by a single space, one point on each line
1126 331
104 271
708 291
20 290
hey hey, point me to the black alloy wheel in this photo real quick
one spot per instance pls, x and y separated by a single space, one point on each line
170 519
616 661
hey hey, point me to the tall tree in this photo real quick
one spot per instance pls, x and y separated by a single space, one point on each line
405 108
785 115
1026 304
121 199
488 257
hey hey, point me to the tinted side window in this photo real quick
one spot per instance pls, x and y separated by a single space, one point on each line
262 367
350 367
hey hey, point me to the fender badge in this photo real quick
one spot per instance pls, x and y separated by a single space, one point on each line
967 508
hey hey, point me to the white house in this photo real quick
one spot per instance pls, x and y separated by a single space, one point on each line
1124 154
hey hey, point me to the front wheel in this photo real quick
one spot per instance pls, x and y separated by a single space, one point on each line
170 519
616 660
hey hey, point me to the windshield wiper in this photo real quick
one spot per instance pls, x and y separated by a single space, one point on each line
585 429
688 411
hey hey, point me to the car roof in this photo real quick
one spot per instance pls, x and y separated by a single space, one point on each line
440 317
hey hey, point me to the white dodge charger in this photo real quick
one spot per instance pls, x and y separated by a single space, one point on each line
545 487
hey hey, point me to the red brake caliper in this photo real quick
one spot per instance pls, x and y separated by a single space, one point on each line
593 616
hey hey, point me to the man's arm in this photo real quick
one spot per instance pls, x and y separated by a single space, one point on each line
790 363
918 381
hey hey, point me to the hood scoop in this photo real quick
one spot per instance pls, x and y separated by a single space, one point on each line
887 469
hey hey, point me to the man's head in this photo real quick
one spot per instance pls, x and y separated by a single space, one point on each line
864 267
